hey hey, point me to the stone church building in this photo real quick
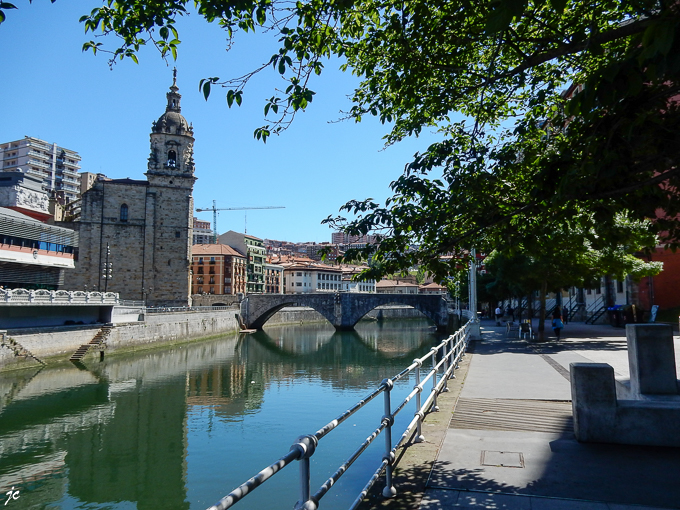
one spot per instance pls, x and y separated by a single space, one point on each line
136 236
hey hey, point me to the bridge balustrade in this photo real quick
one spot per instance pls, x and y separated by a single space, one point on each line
56 297
443 360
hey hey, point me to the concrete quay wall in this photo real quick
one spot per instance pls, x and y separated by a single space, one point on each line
61 342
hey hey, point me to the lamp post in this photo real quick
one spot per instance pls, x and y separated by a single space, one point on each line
107 273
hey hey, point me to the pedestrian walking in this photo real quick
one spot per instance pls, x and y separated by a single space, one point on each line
565 314
557 326
499 314
510 312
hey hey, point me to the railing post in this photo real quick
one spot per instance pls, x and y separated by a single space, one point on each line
389 491
455 348
419 411
435 407
447 351
306 445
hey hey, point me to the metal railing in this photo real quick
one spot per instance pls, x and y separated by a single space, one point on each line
56 297
442 358
175 309
595 310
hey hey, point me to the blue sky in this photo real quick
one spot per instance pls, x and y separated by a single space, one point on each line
53 91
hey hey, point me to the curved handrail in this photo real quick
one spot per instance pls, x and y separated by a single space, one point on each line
452 349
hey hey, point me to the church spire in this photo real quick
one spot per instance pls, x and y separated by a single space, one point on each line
174 95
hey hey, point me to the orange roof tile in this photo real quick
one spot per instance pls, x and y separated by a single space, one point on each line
214 249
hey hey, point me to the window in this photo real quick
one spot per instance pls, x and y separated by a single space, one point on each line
172 158
619 286
299 284
177 234
124 213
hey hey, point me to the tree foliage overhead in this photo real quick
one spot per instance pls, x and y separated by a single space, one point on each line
552 113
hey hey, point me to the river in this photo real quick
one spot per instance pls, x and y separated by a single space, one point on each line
179 428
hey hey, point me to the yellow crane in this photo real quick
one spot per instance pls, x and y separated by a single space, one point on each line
214 210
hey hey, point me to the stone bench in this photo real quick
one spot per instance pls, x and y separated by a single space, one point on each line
644 410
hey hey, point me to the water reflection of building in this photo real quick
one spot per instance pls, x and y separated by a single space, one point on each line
125 425
149 466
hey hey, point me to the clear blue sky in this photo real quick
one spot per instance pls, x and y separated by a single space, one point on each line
53 91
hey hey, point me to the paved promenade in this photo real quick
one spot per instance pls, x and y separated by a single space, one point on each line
511 445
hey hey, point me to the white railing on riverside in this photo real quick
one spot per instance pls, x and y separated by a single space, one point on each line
176 309
449 352
56 297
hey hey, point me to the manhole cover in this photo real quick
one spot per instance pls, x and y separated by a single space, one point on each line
502 459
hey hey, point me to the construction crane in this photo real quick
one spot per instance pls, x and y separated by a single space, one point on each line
214 210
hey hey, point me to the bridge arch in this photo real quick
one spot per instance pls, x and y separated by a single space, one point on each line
343 310
256 310
425 311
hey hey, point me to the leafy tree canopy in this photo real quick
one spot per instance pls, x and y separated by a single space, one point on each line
568 105
570 261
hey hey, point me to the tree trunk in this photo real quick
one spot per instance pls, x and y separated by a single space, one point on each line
541 313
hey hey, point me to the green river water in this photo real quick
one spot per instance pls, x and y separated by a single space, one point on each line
179 428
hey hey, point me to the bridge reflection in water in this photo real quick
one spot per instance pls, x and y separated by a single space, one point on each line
177 428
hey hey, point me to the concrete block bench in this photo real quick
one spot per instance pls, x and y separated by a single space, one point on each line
644 410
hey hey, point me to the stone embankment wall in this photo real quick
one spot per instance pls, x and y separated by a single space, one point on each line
59 343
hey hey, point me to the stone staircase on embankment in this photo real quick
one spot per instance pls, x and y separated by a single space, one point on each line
98 340
18 349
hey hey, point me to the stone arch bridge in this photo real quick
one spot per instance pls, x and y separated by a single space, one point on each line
343 309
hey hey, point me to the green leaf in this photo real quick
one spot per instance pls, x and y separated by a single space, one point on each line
205 87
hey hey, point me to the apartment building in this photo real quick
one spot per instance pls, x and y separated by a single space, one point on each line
273 279
217 269
253 249
303 278
57 166
203 233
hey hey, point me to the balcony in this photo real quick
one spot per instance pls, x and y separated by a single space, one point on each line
38 163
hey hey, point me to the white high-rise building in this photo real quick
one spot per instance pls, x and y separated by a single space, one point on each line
56 166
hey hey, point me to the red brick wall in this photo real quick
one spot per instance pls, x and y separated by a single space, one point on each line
664 288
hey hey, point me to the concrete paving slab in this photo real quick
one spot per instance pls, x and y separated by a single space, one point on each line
511 370
566 504
493 500
558 471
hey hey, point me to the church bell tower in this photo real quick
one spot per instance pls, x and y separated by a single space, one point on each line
169 195
172 144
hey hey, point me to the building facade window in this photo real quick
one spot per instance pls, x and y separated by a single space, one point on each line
124 212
